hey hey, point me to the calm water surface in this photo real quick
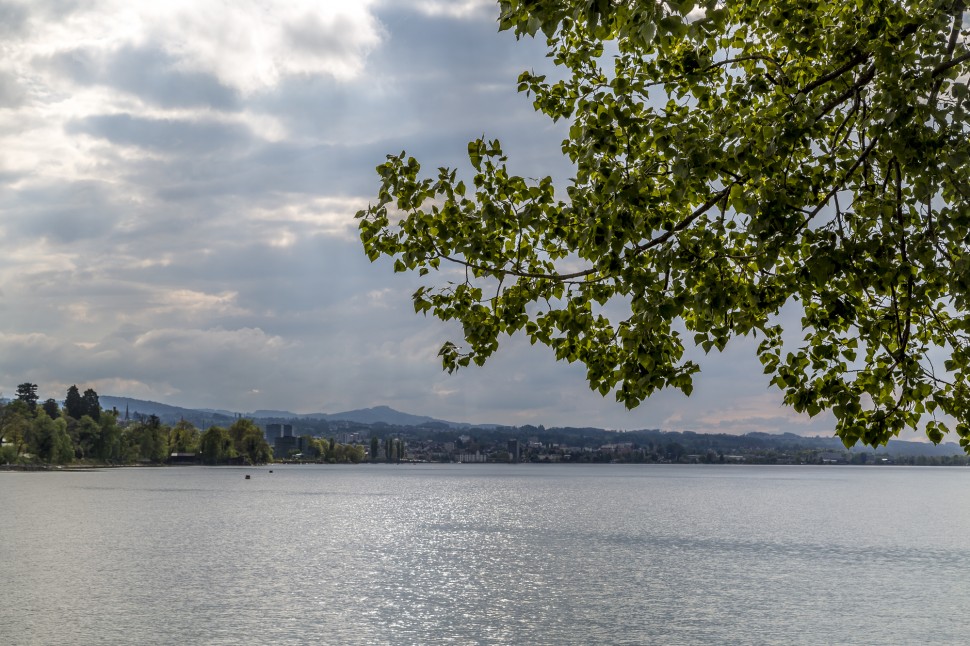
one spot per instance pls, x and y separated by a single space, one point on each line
486 554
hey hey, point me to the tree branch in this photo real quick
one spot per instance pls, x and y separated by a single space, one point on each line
836 73
942 67
513 272
683 224
838 187
860 82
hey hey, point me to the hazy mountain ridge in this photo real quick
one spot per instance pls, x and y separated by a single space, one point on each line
376 415
384 416
164 411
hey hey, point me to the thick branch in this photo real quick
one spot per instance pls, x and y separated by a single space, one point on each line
683 224
838 187
514 272
836 73
864 79
943 67
950 48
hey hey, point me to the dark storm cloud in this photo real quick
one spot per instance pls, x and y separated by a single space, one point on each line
164 135
149 73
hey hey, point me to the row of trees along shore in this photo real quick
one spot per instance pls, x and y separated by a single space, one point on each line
80 431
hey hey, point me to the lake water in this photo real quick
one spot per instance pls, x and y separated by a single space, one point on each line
486 554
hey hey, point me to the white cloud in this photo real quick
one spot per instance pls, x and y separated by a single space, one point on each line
330 215
248 45
194 304
180 180
459 9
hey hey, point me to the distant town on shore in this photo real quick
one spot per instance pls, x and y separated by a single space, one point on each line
87 429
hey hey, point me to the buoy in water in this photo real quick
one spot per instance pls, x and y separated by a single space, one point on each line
247 476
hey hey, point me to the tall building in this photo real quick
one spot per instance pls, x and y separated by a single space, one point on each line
513 450
273 431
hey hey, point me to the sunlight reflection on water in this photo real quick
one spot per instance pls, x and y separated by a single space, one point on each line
488 554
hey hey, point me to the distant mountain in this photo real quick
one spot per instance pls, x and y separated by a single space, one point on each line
217 411
375 415
384 415
138 405
276 414
207 416
168 414
903 447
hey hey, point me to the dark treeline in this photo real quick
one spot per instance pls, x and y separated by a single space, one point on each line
80 431
438 442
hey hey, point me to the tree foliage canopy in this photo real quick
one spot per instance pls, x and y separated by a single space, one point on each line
731 158
27 393
74 403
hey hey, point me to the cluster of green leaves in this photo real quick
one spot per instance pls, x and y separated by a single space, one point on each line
731 157
328 451
77 405
37 436
242 439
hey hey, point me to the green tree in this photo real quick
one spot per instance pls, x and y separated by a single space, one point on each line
356 453
51 407
216 446
9 454
91 404
145 441
27 393
88 437
342 453
374 447
249 442
74 403
731 158
49 440
15 421
108 447
183 438
314 447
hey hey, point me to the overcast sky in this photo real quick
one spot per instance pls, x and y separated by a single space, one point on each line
178 182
